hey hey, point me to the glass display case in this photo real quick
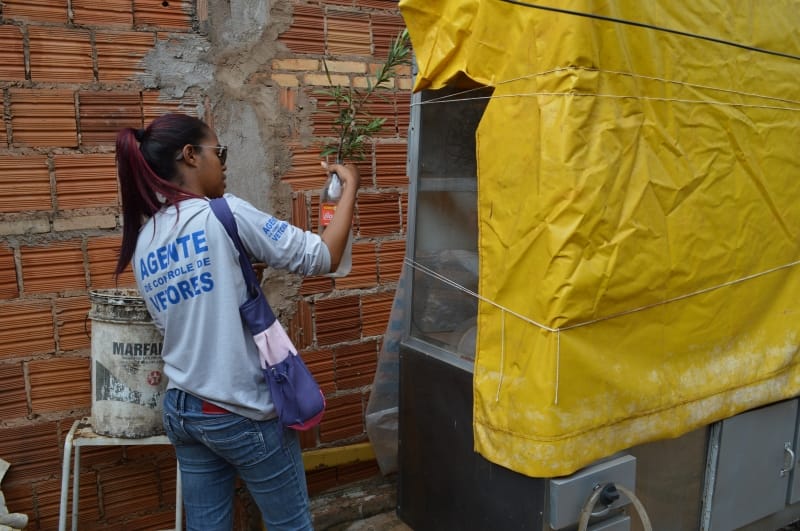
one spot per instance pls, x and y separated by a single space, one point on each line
443 232
442 482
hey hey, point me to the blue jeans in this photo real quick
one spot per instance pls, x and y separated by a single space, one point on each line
213 447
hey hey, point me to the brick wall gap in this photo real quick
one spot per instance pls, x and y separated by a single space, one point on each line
51 170
7 114
27 380
85 252
26 52
76 102
93 44
18 267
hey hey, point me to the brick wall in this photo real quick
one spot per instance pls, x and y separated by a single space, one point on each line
72 72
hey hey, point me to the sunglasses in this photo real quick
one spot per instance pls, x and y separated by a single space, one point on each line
222 151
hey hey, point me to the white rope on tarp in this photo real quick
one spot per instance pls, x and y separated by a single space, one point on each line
458 96
503 309
617 96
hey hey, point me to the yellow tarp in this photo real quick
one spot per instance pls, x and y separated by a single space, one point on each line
639 216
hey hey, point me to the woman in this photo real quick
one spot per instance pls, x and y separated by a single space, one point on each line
217 409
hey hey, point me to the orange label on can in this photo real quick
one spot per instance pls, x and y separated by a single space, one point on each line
326 211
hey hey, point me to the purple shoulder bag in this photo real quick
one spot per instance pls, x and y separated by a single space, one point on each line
298 399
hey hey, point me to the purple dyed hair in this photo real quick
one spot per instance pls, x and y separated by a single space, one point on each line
147 169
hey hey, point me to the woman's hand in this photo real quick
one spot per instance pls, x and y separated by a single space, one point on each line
338 230
348 174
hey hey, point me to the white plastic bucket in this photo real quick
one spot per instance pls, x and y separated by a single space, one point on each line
128 381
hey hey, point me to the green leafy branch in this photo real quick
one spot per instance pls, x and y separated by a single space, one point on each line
353 126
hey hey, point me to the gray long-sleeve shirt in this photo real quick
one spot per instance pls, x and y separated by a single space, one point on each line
187 270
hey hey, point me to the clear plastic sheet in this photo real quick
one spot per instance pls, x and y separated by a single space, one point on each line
383 404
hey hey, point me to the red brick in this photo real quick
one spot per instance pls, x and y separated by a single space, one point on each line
54 268
378 214
337 320
364 273
307 32
355 365
167 473
320 363
27 329
404 211
288 98
348 33
36 10
12 55
60 384
390 260
300 327
388 5
164 519
151 452
25 185
48 498
103 114
43 117
309 438
97 457
385 29
375 311
154 104
86 180
13 400
305 172
383 107
390 162
402 100
343 418
326 112
120 54
60 55
103 255
8 274
33 451
129 489
19 499
358 471
365 169
321 480
106 13
314 285
175 14
72 323
300 216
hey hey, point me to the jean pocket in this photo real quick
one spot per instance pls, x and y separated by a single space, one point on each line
237 439
171 429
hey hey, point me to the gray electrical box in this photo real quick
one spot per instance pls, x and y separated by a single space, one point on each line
569 494
619 523
753 466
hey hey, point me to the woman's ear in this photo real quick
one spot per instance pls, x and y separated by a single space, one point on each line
188 155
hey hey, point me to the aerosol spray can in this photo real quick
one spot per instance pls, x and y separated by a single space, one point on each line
329 199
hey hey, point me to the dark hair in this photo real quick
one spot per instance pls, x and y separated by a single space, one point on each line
147 167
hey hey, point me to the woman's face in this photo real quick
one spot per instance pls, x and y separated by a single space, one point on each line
211 167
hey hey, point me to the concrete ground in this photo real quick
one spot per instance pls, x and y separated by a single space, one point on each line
364 506
380 522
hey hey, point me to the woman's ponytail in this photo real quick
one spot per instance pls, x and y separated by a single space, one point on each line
145 167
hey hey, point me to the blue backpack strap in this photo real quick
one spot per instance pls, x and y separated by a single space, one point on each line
223 212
